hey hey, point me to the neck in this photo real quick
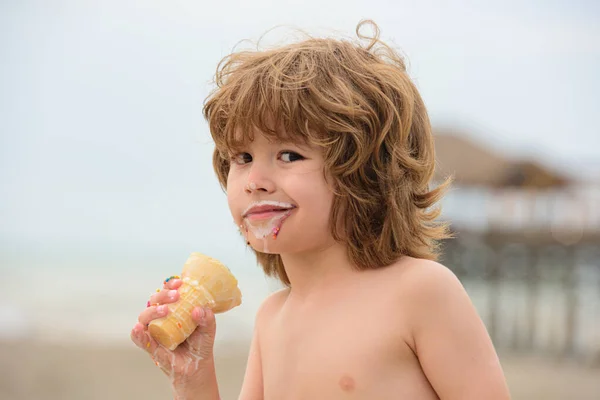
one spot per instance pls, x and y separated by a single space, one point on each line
318 271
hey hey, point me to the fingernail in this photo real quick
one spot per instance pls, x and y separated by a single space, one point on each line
172 294
161 309
202 316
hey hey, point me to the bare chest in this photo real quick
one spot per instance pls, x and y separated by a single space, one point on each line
349 350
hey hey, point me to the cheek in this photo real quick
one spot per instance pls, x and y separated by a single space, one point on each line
316 198
234 193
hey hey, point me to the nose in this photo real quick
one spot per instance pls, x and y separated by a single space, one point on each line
260 179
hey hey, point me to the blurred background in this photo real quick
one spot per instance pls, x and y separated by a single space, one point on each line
107 183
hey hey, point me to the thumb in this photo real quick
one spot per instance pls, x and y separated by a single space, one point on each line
202 340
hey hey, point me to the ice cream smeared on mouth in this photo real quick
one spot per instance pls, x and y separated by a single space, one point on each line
265 218
266 209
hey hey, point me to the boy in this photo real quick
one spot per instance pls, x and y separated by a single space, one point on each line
326 153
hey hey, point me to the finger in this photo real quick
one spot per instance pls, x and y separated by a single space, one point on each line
144 340
162 357
172 283
135 335
141 339
202 340
152 312
164 296
204 317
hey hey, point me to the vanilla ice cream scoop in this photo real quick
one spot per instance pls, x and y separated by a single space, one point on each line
206 283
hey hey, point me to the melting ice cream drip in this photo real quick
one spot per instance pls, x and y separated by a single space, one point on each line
262 230
194 359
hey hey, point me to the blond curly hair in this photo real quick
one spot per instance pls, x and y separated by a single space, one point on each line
360 106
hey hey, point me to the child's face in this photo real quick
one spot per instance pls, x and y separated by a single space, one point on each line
279 198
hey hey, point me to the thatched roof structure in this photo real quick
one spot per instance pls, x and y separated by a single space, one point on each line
475 165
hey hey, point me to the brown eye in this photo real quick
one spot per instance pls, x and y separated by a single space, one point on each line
241 158
290 156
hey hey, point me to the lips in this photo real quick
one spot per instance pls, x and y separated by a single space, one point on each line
267 214
267 209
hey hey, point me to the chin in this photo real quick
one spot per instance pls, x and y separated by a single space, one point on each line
267 246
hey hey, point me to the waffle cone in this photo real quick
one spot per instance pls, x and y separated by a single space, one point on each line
206 283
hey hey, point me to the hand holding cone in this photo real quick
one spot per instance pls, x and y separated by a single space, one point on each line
206 283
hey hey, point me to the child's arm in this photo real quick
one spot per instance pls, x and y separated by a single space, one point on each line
252 388
450 340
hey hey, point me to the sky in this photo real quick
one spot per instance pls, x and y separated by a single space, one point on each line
102 139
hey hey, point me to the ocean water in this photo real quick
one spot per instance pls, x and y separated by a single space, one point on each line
91 295
88 295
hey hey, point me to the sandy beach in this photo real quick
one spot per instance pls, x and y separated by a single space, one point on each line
51 372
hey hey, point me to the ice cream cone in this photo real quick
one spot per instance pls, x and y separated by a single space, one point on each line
206 283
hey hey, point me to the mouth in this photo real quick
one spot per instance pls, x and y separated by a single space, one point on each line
267 210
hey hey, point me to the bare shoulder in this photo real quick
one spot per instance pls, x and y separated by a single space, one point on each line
426 289
446 333
271 305
425 278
